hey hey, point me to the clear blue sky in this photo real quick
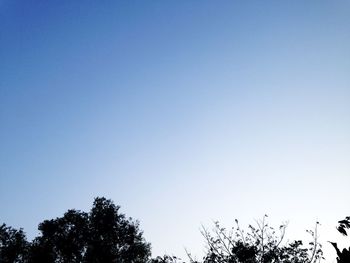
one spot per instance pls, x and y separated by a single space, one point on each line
182 112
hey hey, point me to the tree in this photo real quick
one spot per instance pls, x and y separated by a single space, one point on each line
261 244
62 239
113 237
103 235
13 245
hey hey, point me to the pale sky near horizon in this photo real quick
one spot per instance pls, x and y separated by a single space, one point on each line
182 112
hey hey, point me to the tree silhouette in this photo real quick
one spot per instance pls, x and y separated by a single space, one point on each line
113 237
13 245
103 235
62 239
260 244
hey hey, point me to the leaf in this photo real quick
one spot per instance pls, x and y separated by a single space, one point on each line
342 230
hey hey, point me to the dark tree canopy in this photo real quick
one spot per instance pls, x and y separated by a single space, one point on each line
62 239
113 237
13 245
104 235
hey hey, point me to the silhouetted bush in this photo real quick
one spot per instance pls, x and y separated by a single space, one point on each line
260 244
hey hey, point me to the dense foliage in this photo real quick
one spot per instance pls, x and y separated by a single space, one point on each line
13 244
104 235
100 236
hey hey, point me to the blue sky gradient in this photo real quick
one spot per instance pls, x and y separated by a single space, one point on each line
182 112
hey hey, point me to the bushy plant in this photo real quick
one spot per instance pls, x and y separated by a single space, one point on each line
260 244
